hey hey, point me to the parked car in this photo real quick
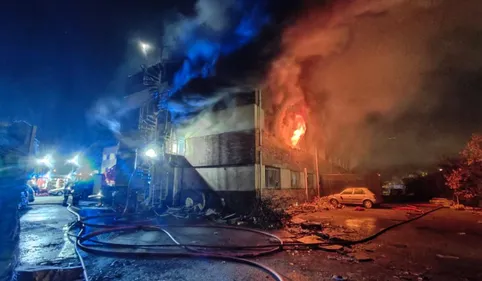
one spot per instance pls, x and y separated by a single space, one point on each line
355 196
57 191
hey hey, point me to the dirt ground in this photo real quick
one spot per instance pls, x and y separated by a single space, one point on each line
444 245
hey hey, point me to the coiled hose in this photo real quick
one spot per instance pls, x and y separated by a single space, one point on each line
193 250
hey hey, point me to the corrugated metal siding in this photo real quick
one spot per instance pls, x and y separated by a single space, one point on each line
227 149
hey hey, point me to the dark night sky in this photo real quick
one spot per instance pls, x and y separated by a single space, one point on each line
59 56
408 74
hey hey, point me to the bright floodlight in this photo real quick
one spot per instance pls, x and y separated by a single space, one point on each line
45 161
74 160
151 153
144 47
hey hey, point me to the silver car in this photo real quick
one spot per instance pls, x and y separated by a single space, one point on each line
354 196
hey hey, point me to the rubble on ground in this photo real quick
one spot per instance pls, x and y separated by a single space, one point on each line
311 226
458 207
266 215
317 205
311 239
442 202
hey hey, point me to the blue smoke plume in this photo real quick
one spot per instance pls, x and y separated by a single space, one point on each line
220 28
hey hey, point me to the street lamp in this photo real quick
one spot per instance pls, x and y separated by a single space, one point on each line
145 47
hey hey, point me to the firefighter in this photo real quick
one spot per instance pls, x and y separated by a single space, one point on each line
67 191
77 192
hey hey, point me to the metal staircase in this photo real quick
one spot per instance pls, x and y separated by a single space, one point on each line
154 129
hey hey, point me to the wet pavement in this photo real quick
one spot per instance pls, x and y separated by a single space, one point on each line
350 224
444 246
42 235
43 200
441 246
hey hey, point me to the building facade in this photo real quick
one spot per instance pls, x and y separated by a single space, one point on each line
225 156
109 158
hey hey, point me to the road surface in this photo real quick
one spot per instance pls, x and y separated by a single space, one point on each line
42 234
443 246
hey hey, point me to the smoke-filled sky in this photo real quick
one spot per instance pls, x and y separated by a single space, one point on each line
388 82
394 82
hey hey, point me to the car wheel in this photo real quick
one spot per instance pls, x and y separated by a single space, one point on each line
367 204
334 202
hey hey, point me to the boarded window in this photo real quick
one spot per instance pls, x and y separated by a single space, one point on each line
295 179
272 177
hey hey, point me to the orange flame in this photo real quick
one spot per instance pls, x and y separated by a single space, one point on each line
299 131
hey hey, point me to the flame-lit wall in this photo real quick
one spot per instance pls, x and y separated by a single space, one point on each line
220 157
229 152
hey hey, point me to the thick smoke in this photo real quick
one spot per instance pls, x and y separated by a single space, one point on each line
219 28
386 81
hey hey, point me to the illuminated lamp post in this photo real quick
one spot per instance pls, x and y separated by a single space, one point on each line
144 47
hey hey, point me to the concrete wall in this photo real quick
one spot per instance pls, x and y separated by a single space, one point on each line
223 121
240 178
226 149
277 154
285 178
223 160
220 156
286 194
210 186
221 138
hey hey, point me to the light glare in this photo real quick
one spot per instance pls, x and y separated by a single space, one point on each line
144 47
151 153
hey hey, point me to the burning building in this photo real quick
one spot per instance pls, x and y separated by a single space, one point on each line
218 145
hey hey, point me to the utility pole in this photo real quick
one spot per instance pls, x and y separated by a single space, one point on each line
317 172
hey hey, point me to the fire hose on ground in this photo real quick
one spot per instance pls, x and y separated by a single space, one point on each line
192 250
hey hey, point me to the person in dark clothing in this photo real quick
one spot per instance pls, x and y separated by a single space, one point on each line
67 191
77 192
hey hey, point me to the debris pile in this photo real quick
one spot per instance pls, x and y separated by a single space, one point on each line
318 204
266 215
458 207
442 202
